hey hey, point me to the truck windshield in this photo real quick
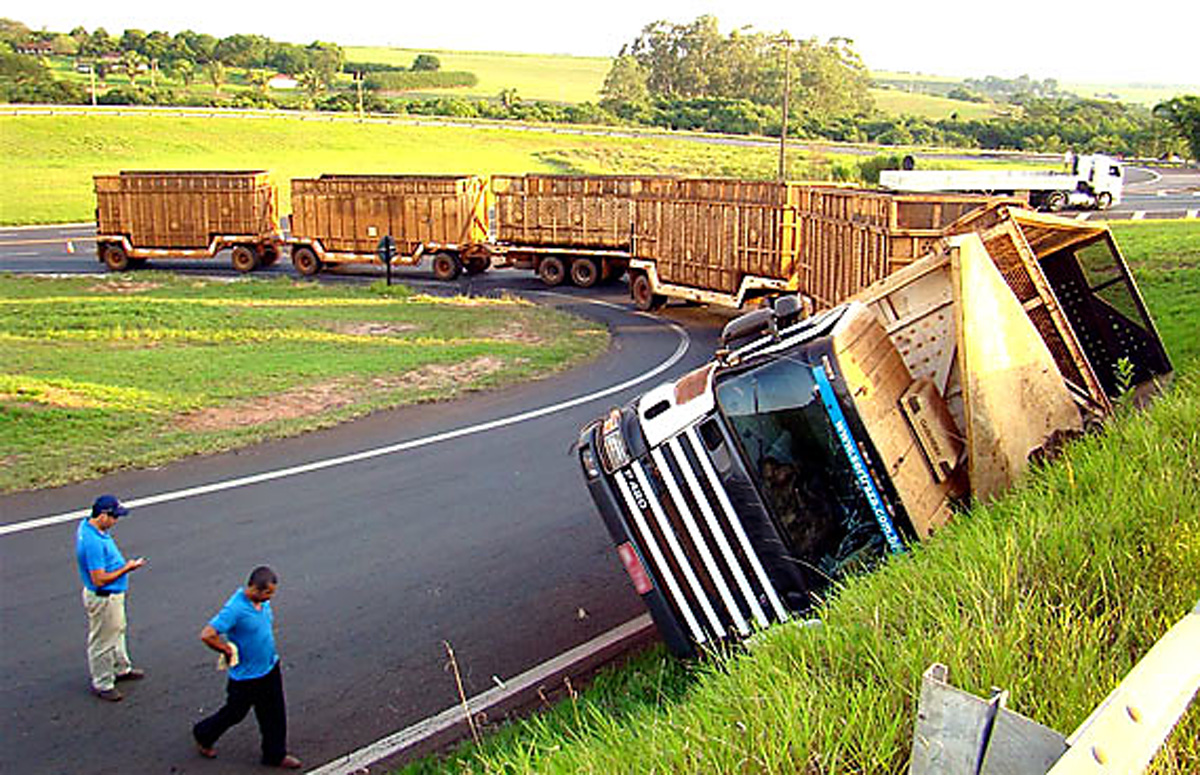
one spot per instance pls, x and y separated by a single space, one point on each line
790 447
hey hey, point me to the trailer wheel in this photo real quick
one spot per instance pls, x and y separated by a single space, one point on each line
446 266
644 297
552 271
115 258
1056 201
585 272
305 260
244 258
1103 200
478 264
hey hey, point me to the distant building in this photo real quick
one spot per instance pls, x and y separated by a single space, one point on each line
281 81
37 48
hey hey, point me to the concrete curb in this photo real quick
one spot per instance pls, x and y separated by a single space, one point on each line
520 692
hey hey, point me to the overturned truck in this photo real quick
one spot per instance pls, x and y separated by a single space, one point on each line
813 445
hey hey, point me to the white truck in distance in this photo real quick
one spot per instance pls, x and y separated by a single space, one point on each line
1094 181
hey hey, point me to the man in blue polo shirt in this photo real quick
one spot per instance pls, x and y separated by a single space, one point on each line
104 572
248 649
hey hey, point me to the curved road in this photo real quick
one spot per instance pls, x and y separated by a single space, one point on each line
487 541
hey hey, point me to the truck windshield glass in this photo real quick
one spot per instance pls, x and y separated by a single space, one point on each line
791 449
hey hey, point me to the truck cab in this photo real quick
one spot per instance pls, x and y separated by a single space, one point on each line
1100 180
737 495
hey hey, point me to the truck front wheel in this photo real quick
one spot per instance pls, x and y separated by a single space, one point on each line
115 258
1056 201
1103 200
644 297
585 272
244 258
305 260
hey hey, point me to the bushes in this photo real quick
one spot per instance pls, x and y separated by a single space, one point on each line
409 80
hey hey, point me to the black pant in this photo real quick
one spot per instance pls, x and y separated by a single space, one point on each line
265 695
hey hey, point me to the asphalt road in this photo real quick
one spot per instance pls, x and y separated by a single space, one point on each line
487 541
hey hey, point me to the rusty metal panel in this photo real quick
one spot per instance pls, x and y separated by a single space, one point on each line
351 213
184 210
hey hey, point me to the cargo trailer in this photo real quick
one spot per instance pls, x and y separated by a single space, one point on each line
569 227
730 242
143 215
341 219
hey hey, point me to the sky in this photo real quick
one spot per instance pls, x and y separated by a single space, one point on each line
1153 41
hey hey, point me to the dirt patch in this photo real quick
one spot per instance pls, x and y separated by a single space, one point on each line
335 394
374 329
516 331
125 286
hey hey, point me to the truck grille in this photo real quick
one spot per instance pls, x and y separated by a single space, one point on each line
693 542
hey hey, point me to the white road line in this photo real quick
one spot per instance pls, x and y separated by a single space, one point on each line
48 226
1193 213
358 761
1138 216
319 465
1083 216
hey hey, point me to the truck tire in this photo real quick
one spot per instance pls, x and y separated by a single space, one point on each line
585 272
446 266
552 271
305 260
643 295
1103 200
1056 201
478 265
115 257
244 258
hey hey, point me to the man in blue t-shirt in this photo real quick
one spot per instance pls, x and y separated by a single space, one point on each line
243 633
103 570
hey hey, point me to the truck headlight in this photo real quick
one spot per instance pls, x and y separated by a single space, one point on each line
615 453
587 459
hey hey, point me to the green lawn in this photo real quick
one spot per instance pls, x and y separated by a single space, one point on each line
50 160
549 77
161 367
1053 592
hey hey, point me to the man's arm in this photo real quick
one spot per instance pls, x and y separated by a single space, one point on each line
213 640
102 578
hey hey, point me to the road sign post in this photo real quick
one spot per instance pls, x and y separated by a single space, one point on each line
387 251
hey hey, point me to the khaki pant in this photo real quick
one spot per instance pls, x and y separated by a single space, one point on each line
107 655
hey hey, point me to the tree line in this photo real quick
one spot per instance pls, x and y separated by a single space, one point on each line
678 76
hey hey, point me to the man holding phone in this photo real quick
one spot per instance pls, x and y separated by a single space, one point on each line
104 572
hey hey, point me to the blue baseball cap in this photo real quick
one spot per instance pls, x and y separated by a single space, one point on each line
108 504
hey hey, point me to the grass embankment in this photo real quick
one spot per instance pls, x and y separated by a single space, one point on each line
549 77
1053 593
50 160
133 371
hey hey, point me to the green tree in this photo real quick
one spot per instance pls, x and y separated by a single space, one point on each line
214 71
184 70
132 63
426 63
625 83
1183 113
313 84
260 79
326 60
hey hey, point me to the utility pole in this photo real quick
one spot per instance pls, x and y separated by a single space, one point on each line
358 79
787 88
92 73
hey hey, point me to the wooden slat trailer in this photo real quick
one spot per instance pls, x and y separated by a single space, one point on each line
340 219
731 241
569 227
143 215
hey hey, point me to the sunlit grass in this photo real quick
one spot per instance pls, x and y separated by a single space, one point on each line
174 366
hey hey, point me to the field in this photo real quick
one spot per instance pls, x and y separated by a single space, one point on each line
139 369
1052 593
548 77
50 160
896 102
